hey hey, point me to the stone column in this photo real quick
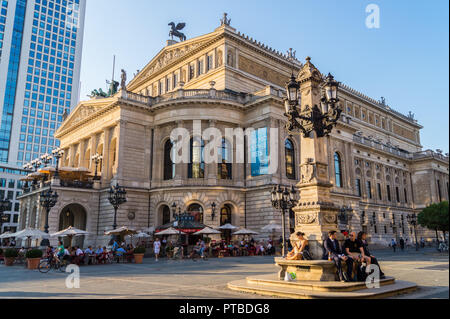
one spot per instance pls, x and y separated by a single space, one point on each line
212 169
106 158
315 214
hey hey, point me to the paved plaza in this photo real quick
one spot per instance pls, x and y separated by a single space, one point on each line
188 279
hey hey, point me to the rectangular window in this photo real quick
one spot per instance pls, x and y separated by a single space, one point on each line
191 71
388 190
167 85
209 63
406 195
358 187
259 152
200 68
369 189
397 193
380 196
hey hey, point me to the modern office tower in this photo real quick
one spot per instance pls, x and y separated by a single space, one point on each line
40 57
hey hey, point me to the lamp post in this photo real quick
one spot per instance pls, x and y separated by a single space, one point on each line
116 196
284 199
319 119
177 217
412 220
345 216
97 158
4 206
57 155
48 200
213 210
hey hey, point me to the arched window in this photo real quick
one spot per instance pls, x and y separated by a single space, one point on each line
225 160
196 167
338 170
197 211
169 166
225 215
165 215
290 159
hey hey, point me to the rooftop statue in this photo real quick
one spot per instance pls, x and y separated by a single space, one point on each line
113 87
225 20
175 32
123 80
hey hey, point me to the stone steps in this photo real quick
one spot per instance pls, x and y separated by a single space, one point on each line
270 286
325 286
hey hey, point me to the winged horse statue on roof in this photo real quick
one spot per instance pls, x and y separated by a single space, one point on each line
175 32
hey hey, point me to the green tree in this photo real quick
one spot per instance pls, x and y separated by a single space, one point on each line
435 217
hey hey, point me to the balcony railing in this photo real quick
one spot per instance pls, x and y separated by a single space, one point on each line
242 98
382 147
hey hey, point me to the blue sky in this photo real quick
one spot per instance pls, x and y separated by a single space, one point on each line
406 60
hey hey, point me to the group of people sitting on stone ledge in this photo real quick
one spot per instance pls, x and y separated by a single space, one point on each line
354 252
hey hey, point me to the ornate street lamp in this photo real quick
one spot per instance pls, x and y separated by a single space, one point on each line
57 155
116 196
412 220
177 218
28 168
345 216
46 159
213 210
319 119
4 206
48 200
284 199
36 164
97 158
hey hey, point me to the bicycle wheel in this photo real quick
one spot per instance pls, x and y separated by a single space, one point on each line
62 266
44 266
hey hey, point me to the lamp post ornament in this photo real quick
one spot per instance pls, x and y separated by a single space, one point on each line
284 200
47 200
116 196
312 111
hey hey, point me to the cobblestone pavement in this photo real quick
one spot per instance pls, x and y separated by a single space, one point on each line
188 279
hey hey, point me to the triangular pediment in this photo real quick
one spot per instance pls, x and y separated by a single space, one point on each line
84 110
171 55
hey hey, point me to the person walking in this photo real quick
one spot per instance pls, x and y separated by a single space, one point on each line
157 248
402 244
394 244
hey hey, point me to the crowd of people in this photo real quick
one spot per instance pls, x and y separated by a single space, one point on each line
91 255
215 248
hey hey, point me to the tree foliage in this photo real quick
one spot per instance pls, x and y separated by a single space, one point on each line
435 217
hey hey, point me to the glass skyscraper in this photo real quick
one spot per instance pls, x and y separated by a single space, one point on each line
40 57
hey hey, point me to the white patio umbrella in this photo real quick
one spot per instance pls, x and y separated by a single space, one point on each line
149 230
245 232
30 233
6 235
170 231
70 233
207 231
273 226
123 231
228 227
140 235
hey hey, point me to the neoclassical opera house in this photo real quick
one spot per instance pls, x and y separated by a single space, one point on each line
225 79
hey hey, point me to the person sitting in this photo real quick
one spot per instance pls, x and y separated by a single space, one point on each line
334 253
352 249
252 250
120 252
366 253
299 248
79 256
88 253
269 249
195 250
